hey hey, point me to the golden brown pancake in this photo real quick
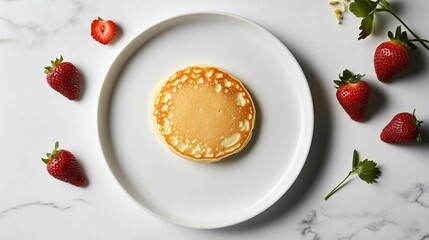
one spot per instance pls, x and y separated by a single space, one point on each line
204 114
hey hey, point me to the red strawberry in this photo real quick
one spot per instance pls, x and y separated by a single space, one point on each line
403 128
103 31
62 165
392 57
64 78
352 93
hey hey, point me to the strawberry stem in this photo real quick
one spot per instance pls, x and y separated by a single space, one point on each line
421 41
338 186
418 40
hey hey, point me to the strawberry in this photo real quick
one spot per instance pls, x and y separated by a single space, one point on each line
403 128
62 165
352 94
392 56
103 31
63 77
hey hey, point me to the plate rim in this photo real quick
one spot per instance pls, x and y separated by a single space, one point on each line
305 134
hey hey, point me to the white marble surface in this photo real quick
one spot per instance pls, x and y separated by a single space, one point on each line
32 116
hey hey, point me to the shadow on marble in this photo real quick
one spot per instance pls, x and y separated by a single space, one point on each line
83 170
377 100
82 82
118 35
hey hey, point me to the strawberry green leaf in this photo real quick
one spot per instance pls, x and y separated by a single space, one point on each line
55 63
398 32
390 35
46 160
367 170
363 8
355 162
385 4
367 8
417 123
51 154
347 75
366 26
338 83
402 38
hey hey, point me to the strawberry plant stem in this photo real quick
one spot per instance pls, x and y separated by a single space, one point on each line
338 186
421 41
418 40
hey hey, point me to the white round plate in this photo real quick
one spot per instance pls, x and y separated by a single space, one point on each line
201 195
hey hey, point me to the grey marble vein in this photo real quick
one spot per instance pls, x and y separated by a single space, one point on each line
31 33
36 31
378 224
306 227
39 204
417 193
403 218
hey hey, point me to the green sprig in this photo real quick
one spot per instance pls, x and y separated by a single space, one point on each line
366 9
367 170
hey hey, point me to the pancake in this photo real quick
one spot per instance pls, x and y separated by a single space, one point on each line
204 114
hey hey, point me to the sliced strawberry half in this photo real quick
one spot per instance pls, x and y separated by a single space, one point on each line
103 31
